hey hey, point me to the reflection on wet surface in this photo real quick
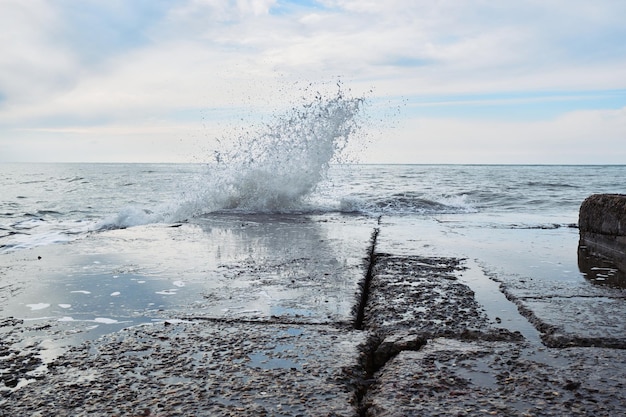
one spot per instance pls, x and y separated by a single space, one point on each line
501 312
600 270
259 267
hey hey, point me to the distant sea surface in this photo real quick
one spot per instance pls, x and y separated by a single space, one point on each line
43 204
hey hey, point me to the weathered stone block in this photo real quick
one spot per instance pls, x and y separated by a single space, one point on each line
602 225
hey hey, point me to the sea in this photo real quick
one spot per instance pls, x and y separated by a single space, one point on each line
45 204
512 220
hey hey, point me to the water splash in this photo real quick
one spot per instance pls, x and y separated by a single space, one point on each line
279 166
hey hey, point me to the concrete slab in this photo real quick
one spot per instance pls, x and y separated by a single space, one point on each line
225 266
578 321
572 303
423 295
207 368
570 315
234 264
254 315
449 377
423 283
289 269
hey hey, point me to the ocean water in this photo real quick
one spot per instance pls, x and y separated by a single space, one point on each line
42 204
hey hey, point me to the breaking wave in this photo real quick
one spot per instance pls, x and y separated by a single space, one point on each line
277 168
273 169
408 203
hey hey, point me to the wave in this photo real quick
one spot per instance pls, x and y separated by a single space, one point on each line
275 169
43 213
400 204
130 216
541 184
408 203
26 234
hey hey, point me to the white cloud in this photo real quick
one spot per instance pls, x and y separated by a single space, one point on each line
255 7
167 62
581 137
32 64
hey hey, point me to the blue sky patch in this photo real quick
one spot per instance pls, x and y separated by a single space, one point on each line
514 106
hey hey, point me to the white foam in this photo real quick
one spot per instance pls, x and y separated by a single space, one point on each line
278 166
277 169
115 293
134 216
38 306
105 320
167 292
461 202
42 233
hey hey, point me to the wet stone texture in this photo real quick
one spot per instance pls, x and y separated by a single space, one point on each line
449 377
571 315
580 321
229 315
204 368
434 351
17 361
602 224
422 296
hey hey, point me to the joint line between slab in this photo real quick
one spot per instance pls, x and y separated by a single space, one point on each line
365 286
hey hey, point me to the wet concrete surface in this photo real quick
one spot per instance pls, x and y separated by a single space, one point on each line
202 368
303 315
451 377
587 312
423 295
498 337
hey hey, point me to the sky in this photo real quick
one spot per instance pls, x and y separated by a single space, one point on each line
445 81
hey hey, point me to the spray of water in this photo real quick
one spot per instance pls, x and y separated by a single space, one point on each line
279 166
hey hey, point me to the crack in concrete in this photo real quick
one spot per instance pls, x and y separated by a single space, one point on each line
375 352
365 284
379 348
571 297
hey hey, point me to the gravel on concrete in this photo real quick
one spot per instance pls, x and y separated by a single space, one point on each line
203 368
449 377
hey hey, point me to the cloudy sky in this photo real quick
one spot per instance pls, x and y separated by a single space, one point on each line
446 81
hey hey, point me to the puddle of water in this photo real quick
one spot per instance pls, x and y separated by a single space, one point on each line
600 270
281 311
100 299
292 331
273 359
260 360
59 313
478 372
501 312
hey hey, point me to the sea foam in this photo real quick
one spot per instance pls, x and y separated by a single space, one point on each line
276 168
271 169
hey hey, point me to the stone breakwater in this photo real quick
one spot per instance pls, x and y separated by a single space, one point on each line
324 315
602 224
